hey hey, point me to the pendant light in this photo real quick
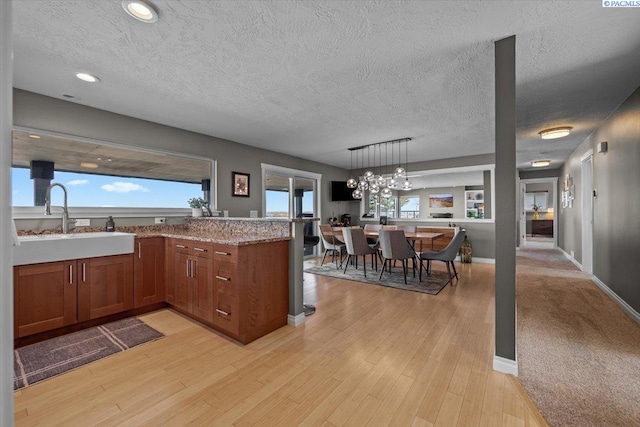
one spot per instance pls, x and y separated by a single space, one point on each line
400 171
351 182
363 184
406 185
368 174
381 180
357 193
393 182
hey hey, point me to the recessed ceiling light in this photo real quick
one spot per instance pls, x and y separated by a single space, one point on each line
540 163
554 133
141 10
89 165
86 77
32 136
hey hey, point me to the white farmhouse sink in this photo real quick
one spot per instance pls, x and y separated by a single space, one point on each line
60 247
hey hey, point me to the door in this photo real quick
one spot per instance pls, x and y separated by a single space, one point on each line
148 271
587 213
105 286
277 204
44 297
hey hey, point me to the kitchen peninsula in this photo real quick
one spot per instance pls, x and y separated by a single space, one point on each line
231 274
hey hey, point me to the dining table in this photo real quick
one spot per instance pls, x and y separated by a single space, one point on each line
412 236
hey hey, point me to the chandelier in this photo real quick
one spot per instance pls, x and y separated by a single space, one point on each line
375 176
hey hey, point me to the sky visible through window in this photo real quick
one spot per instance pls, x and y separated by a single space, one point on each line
85 190
277 203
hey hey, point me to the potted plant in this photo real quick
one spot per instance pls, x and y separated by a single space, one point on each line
196 204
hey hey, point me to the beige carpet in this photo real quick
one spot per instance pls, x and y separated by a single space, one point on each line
578 352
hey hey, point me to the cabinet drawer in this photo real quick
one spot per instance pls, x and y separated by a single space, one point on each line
202 249
225 253
225 279
180 246
226 314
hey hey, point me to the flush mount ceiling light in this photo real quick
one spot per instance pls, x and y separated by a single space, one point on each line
540 163
86 77
141 10
554 133
33 136
89 165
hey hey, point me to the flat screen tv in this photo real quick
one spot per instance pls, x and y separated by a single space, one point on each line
340 192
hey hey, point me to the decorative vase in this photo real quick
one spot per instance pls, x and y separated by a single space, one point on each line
466 251
196 212
536 215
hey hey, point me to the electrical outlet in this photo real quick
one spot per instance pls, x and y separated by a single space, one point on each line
83 222
161 220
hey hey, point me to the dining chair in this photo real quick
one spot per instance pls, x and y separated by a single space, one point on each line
331 245
447 255
357 245
394 246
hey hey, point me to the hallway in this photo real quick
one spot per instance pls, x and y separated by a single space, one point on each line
578 352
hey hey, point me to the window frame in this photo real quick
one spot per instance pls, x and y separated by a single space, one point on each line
37 212
417 196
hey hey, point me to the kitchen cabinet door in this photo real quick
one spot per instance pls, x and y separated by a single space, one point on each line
44 297
105 286
201 276
148 271
182 281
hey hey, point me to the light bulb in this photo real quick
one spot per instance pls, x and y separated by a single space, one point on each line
393 183
398 172
406 185
374 188
369 175
381 181
363 185
352 183
386 193
357 194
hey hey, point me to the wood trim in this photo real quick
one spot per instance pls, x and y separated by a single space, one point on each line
527 401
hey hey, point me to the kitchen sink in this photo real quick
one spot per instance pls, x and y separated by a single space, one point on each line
60 247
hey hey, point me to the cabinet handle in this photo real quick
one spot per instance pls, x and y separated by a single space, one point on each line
222 253
199 249
181 246
188 264
71 274
84 266
222 312
139 250
226 279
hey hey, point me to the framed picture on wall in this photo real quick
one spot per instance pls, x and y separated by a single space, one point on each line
240 184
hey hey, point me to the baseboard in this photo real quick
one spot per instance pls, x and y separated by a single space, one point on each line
483 260
631 312
570 258
296 320
506 366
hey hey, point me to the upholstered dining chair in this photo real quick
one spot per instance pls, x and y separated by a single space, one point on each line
447 255
394 246
372 227
331 245
357 245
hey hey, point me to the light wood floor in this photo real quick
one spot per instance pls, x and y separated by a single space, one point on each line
370 356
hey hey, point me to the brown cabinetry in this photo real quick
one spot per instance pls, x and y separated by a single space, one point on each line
148 271
105 286
44 297
251 289
189 277
542 227
52 295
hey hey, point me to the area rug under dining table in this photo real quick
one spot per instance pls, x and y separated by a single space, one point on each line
46 359
431 284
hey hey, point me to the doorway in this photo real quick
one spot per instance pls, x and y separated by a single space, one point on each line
290 193
538 204
587 212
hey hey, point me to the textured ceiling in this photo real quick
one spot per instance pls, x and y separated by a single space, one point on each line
311 78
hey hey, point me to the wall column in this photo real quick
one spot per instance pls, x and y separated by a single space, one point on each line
6 268
506 203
